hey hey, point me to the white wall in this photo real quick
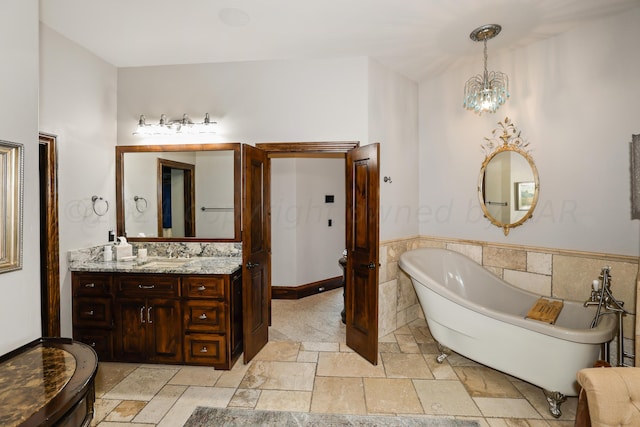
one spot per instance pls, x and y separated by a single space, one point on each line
20 289
260 101
304 248
214 171
78 105
319 247
273 101
284 216
575 98
393 121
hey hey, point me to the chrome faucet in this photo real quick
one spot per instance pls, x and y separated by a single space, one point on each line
601 293
602 297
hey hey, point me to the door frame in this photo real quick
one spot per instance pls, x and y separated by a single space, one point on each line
49 237
313 149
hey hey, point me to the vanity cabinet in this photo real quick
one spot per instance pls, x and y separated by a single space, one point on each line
160 318
212 319
93 311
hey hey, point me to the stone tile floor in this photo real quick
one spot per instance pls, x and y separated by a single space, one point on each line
307 367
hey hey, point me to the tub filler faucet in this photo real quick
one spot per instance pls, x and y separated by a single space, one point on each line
602 297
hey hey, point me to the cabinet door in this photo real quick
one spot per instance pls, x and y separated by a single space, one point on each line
164 328
131 330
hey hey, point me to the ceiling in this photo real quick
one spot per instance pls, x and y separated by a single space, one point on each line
418 38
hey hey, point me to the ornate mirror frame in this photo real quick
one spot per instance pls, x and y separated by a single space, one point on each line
507 138
11 204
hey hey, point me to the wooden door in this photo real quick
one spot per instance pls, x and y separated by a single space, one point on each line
164 330
131 336
256 291
361 293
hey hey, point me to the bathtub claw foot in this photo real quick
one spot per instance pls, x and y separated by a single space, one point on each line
554 399
443 353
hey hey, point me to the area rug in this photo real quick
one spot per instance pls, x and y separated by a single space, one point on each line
206 417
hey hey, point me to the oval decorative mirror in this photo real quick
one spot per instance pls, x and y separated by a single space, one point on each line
508 185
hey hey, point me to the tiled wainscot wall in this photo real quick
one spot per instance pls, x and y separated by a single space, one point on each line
548 272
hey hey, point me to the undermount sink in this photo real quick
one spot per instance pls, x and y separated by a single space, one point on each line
165 263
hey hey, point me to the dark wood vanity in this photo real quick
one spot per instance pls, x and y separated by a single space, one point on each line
47 382
160 318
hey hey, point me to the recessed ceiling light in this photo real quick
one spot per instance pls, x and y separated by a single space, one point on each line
234 17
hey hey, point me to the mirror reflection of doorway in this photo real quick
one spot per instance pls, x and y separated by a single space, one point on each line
176 199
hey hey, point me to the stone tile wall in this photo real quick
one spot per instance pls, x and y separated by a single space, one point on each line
548 272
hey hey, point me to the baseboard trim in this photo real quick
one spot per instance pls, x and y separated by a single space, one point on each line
301 291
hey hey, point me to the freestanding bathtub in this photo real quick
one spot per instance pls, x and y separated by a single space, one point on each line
480 316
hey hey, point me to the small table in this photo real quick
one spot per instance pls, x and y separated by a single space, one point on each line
49 381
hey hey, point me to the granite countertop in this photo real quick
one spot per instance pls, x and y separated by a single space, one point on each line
153 265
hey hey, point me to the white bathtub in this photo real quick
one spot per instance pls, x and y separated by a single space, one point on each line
482 317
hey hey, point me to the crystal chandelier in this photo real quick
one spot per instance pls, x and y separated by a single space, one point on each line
489 90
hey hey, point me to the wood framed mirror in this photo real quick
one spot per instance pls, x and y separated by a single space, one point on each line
508 184
187 192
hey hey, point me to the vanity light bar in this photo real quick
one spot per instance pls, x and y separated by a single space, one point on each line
171 127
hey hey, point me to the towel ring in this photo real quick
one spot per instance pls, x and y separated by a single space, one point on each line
139 207
94 202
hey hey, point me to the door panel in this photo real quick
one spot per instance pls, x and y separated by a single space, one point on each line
361 293
131 337
256 286
165 332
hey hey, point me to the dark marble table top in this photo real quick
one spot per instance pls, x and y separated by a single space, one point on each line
33 378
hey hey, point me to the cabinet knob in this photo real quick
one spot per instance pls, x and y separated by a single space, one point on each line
202 287
146 286
202 316
89 313
204 350
93 344
90 285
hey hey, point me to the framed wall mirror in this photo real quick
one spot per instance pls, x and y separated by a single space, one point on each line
11 205
508 184
178 192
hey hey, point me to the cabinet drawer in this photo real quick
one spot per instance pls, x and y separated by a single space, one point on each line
206 349
145 285
203 286
94 312
205 316
98 339
91 284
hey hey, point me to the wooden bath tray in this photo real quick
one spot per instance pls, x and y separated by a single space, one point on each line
545 310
